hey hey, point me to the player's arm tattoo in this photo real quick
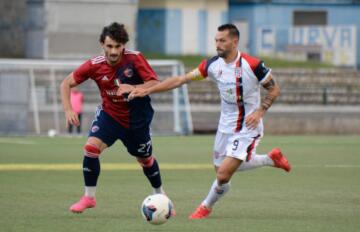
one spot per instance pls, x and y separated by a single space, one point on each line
273 92
269 85
267 102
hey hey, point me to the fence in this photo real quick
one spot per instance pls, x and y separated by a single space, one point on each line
30 100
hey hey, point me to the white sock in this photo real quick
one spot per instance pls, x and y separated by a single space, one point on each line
158 190
90 191
256 161
215 193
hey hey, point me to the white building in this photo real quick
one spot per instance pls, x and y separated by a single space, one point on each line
71 28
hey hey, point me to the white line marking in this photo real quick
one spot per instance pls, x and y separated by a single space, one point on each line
134 166
24 142
105 166
327 166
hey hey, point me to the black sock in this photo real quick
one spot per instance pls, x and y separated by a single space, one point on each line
153 174
91 170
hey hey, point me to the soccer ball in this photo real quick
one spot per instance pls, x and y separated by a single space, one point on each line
156 209
51 133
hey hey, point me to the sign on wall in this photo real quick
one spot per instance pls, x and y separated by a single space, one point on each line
335 44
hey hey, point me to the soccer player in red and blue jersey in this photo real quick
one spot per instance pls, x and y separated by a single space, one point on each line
116 118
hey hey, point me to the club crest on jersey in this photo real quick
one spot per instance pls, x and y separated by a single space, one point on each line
94 129
128 72
216 154
238 72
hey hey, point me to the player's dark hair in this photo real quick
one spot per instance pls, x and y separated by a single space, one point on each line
233 31
115 31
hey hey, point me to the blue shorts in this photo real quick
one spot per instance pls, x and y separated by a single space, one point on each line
105 128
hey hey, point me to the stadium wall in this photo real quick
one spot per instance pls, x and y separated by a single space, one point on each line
258 14
12 28
179 27
284 119
71 28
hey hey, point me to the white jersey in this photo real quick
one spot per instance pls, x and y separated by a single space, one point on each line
239 86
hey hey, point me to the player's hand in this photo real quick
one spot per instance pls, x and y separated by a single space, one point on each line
138 92
124 89
253 119
72 118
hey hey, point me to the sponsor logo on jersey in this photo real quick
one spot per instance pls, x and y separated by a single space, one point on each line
231 84
94 129
128 72
111 92
104 78
114 97
120 100
229 97
229 91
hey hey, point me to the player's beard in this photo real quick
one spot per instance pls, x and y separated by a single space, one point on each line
113 58
222 53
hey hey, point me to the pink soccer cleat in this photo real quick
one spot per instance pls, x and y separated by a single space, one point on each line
200 213
279 159
84 203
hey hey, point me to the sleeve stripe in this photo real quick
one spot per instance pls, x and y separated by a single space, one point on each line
210 61
203 68
252 61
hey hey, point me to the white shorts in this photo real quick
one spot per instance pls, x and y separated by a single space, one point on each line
234 145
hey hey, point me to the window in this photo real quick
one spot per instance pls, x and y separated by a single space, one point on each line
307 18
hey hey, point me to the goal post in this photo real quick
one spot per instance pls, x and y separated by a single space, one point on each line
30 97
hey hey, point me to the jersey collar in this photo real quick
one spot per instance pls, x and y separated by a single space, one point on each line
234 61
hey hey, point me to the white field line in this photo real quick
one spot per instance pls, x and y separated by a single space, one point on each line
104 166
326 166
135 166
23 142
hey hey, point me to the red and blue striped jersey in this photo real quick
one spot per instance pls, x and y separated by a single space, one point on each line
133 69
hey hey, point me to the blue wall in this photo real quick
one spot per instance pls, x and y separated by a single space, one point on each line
202 36
224 17
173 32
150 26
159 31
281 15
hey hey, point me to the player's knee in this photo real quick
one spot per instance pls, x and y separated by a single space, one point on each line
223 177
91 150
146 162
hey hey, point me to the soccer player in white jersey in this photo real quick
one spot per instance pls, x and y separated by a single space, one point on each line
238 77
